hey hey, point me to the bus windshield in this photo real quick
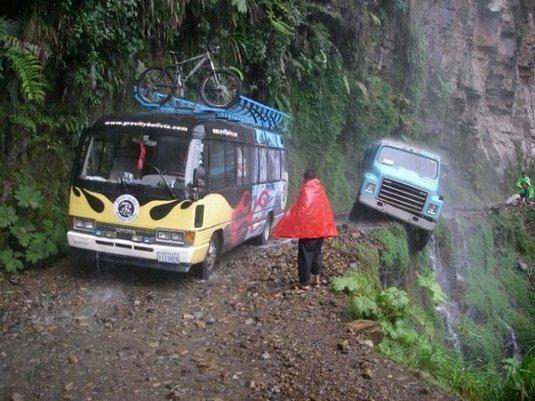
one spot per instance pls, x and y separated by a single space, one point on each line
422 165
155 160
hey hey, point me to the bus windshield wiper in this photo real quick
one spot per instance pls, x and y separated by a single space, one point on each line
162 177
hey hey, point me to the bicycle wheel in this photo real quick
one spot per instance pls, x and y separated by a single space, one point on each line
155 85
220 89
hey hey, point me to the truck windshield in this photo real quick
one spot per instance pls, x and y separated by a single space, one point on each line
154 160
422 165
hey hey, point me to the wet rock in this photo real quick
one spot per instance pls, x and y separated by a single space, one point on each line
174 395
188 316
200 324
367 374
210 321
368 343
522 266
367 328
16 397
69 386
343 346
424 390
265 356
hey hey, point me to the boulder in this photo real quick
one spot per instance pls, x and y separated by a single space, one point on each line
522 266
368 329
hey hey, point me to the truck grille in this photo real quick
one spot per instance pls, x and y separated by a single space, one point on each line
403 196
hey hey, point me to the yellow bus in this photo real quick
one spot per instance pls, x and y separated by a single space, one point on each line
174 191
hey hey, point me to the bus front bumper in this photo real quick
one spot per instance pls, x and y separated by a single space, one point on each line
165 257
397 213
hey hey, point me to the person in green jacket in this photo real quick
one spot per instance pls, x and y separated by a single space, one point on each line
525 189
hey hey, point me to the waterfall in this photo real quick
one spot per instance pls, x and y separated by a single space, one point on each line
462 253
449 310
511 346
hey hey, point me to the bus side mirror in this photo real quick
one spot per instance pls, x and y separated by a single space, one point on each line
199 177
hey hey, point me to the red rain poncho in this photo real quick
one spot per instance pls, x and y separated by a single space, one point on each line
310 216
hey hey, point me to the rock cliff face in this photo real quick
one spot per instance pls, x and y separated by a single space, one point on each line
478 104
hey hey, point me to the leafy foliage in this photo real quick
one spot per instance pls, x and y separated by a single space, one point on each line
29 242
520 377
8 216
394 254
428 281
28 197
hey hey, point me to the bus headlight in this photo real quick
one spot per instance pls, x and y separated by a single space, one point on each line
370 187
83 224
432 209
174 237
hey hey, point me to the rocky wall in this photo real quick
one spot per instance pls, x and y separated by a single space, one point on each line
479 102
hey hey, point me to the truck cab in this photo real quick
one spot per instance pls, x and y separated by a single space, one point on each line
402 181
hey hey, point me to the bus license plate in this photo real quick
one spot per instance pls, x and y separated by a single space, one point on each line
165 257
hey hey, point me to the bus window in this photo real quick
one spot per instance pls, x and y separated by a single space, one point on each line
239 165
217 164
230 164
254 165
274 165
262 158
243 156
284 167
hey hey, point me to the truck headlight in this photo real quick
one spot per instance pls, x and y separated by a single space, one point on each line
432 208
370 187
83 224
175 237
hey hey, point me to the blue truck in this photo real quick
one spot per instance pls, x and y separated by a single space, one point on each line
402 181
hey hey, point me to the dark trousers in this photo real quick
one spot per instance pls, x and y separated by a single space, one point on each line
309 258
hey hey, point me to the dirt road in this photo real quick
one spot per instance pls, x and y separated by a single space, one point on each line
69 332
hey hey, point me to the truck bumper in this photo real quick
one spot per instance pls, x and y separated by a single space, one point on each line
129 252
397 213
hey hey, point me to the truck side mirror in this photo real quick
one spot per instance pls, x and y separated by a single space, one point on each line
199 177
440 197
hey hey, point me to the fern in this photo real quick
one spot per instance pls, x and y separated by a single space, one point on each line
361 307
29 72
394 303
8 216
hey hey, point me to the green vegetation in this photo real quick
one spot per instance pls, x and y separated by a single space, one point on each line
498 293
62 64
414 333
394 248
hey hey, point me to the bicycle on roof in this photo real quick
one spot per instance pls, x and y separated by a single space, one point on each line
218 87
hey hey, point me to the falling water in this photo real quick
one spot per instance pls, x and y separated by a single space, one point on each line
511 346
449 310
448 277
462 253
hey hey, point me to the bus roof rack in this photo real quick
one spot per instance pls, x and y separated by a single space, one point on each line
246 111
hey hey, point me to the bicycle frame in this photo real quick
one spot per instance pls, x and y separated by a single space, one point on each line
202 60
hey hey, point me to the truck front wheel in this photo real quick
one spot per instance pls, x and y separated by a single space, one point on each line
420 238
205 269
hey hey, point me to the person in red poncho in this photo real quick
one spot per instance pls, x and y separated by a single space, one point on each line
311 220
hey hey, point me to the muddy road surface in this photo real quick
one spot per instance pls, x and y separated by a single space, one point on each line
71 333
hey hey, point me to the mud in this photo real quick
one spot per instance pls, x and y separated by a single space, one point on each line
70 332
